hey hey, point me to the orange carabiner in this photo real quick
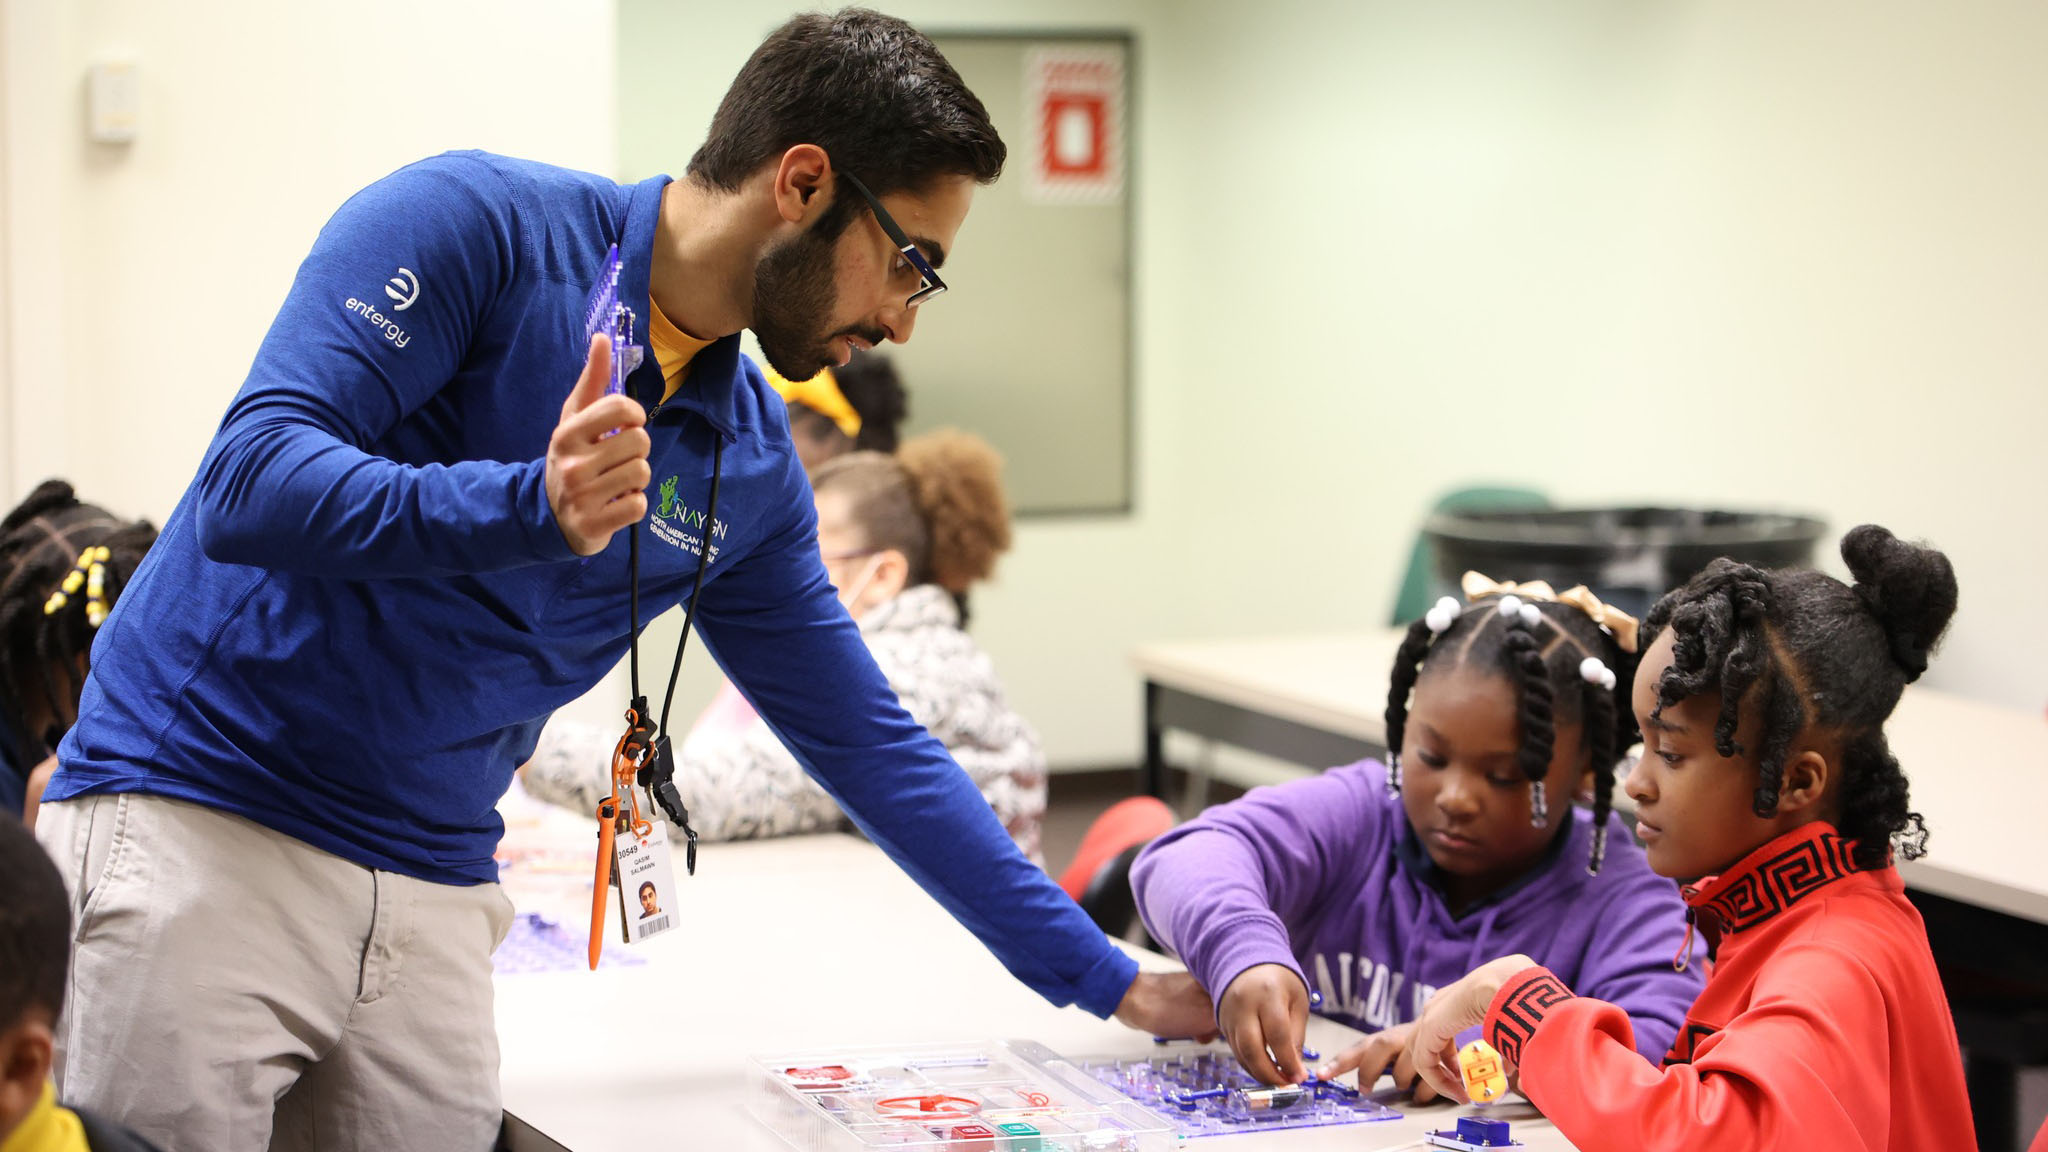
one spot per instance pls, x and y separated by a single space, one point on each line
627 759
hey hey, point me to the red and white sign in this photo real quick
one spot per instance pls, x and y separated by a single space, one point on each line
1075 100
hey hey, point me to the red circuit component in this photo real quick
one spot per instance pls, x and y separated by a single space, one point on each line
927 1107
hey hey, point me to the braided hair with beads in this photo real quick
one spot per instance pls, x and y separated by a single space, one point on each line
1565 667
1807 651
52 603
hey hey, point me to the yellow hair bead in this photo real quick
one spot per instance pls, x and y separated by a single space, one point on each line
90 573
96 591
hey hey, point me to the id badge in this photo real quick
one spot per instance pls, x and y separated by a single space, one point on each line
646 878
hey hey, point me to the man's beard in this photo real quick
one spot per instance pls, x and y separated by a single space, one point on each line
793 299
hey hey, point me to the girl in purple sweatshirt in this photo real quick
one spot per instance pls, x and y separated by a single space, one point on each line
1375 887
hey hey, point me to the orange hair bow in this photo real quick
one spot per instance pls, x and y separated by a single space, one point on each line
1618 623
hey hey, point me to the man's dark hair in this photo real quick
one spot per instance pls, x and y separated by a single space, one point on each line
35 928
869 89
1807 650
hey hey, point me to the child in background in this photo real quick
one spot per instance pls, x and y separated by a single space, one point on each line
857 407
35 953
1373 898
62 564
1766 785
854 408
904 537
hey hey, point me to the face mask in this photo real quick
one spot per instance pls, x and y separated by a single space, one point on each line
848 597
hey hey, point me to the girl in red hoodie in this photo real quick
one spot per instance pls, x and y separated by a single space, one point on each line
1766 787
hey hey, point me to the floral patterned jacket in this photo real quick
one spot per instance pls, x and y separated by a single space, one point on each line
740 783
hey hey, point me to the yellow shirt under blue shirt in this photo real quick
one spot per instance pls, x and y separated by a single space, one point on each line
673 348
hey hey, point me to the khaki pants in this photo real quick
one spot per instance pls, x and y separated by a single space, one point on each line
234 988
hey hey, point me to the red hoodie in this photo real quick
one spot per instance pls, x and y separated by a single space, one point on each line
1822 1028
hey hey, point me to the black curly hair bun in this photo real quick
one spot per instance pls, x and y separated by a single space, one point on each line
1910 589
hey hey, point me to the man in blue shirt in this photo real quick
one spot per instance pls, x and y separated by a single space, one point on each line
404 549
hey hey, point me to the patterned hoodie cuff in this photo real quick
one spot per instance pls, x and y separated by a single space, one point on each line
1520 1006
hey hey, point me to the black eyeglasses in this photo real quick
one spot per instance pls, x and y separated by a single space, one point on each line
932 285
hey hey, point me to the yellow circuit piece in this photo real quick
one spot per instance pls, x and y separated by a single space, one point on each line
1485 1079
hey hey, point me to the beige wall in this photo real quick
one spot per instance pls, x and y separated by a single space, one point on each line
1732 254
1779 255
1753 255
142 276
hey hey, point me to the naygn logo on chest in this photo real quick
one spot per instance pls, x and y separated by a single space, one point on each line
403 288
677 523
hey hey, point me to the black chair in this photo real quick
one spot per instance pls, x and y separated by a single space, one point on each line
1109 901
1994 968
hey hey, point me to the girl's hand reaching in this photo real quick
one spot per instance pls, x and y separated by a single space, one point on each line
1433 1043
1264 1016
1370 1057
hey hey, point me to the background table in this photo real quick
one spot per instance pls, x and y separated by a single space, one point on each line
1317 701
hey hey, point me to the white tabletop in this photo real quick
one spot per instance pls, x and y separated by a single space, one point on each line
803 944
1977 771
1337 683
1979 774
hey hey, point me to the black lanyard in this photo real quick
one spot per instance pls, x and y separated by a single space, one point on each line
657 760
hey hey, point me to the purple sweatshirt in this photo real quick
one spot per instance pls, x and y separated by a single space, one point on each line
1324 876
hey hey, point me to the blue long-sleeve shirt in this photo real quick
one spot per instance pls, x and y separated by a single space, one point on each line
361 611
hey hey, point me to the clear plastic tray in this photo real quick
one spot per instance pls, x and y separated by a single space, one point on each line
992 1096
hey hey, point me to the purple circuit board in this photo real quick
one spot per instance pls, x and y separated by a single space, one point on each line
1202 1091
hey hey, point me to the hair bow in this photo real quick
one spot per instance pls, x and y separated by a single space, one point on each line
820 394
1619 624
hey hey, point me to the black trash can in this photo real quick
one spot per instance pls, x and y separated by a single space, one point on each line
1627 556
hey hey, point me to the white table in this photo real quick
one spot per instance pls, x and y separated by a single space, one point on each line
800 944
1315 700
1979 776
